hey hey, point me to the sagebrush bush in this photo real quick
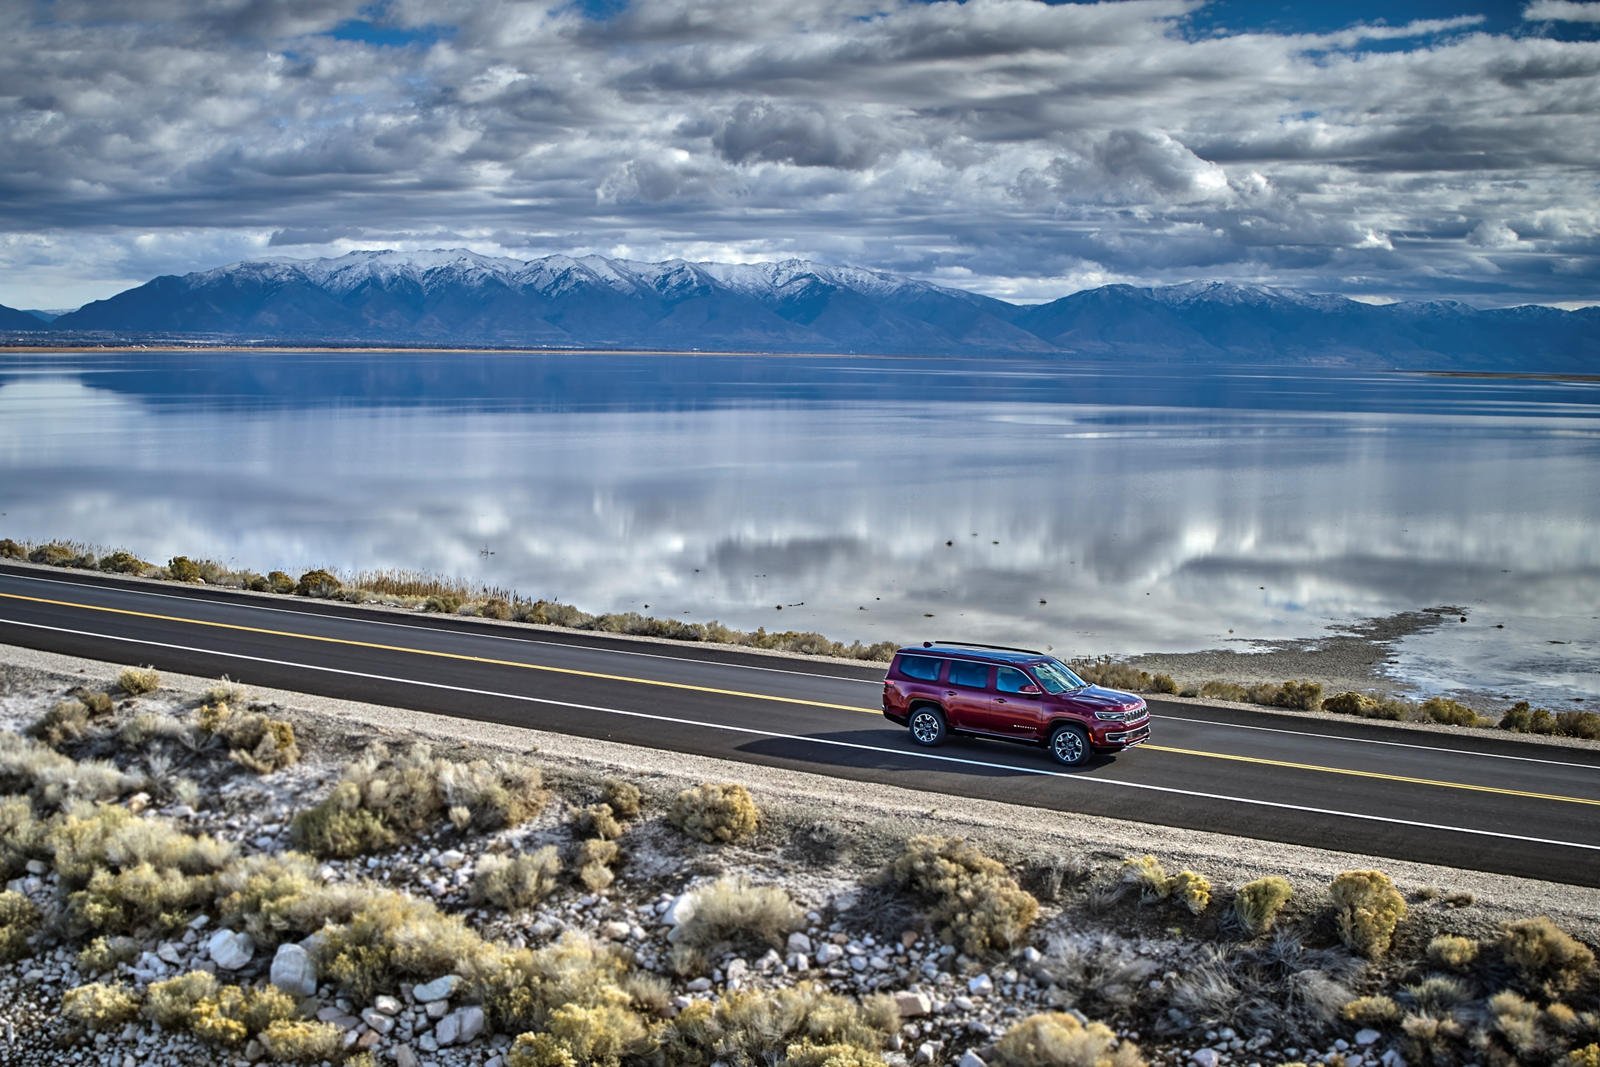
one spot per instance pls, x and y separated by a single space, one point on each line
1301 696
105 953
62 554
66 720
446 603
136 681
596 857
745 1028
514 883
1437 994
137 898
303 1041
1447 950
317 583
602 1035
1372 1011
279 582
12 550
53 780
1058 1039
975 903
255 742
624 797
183 569
1584 724
600 821
171 1003
1449 712
280 897
1217 690
520 988
714 812
89 839
100 1005
734 914
1367 908
1548 960
19 918
232 1015
22 836
392 938
1257 903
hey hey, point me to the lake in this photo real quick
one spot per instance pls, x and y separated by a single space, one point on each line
1091 507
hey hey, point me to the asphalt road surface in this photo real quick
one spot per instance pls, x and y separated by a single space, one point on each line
1479 801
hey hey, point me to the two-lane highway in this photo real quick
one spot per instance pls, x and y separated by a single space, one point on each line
1484 801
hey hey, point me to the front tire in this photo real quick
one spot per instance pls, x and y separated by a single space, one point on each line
1069 746
927 727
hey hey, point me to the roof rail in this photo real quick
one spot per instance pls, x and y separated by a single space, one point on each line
975 644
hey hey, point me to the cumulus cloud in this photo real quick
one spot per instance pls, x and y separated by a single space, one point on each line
1027 147
1562 11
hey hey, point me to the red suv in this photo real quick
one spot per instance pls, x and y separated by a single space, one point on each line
1010 693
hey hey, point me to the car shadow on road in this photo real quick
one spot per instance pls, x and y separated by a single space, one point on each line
887 750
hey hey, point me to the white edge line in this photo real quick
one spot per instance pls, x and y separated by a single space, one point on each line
1098 782
520 639
1374 741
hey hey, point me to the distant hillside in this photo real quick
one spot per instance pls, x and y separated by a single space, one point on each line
12 319
459 298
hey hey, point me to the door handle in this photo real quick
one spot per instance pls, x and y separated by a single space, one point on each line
949 692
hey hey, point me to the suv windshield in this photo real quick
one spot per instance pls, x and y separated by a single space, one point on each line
1055 677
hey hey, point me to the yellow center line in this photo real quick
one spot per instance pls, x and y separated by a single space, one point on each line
1371 774
574 672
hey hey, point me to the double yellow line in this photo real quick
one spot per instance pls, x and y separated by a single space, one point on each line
601 676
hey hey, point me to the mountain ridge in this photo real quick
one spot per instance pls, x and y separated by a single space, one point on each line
460 298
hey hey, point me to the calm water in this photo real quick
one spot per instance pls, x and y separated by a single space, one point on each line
1092 508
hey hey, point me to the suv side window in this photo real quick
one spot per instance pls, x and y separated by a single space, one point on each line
1010 680
923 668
969 675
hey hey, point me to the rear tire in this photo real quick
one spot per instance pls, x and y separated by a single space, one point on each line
1069 746
927 726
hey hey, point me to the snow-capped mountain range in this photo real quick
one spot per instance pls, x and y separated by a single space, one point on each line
458 298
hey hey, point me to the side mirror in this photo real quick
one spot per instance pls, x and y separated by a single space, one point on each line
1030 690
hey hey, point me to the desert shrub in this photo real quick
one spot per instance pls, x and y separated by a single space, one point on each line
183 569
105 953
1349 703
498 796
1301 696
495 608
10 549
1547 959
599 820
1367 908
22 836
136 898
624 797
341 826
1225 691
61 554
1163 683
136 681
66 720
734 914
171 1003
516 882
1437 994
226 691
807 1054
90 839
1429 1038
303 1041
255 742
1147 874
99 1005
1058 1039
232 1015
121 562
1585 724
19 918
715 813
595 858
600 1035
1372 1011
1192 890
280 897
279 582
447 603
520 988
317 583
1588 1056
53 780
744 1028
975 903
1257 903
393 938
1456 953
1518 717
1449 712
1111 674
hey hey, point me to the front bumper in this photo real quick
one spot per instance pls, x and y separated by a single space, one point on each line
1137 735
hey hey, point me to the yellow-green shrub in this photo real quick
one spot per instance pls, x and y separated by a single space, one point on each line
1257 903
254 741
975 903
1302 696
66 720
1372 1011
183 569
104 953
624 797
279 897
595 858
1057 1039
100 1005
715 812
136 681
731 912
1547 959
1367 908
232 1015
19 918
341 826
1588 1056
137 897
516 882
743 1027
123 562
22 836
599 1035
317 583
1454 952
393 938
521 988
1148 875
1449 712
303 1041
1193 890
172 1003
600 821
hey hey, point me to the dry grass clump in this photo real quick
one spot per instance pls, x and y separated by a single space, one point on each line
136 681
624 797
715 813
975 903
729 914
1456 953
100 1005
19 918
1057 1039
1256 904
385 797
63 554
515 883
599 820
750 1028
1188 888
1367 908
1548 960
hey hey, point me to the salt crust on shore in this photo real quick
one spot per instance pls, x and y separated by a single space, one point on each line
892 812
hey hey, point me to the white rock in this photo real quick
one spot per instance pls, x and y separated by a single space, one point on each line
827 952
971 1059
981 986
737 970
798 942
699 985
451 857
912 1004
1031 955
1367 1037
615 931
229 950
798 962
680 911
293 971
858 963
386 1004
404 1057
1206 1057
459 1027
376 1019
436 1009
438 989
925 1053
36 867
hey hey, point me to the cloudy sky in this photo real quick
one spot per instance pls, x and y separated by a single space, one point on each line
1410 149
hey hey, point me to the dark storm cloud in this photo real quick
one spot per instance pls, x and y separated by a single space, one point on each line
1020 148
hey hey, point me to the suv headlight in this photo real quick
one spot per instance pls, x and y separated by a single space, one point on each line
1122 715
